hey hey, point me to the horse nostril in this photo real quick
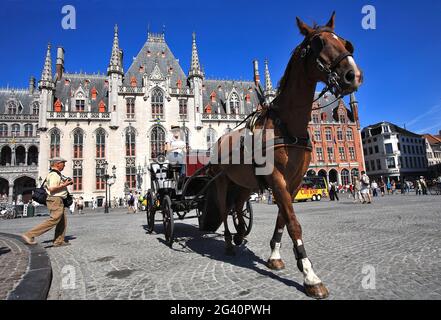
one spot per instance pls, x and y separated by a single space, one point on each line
350 76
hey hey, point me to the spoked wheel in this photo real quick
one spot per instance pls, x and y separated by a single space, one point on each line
247 214
150 212
167 219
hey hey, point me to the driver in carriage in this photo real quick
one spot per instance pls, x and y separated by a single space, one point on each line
175 147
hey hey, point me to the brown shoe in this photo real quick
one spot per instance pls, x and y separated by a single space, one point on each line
28 240
63 244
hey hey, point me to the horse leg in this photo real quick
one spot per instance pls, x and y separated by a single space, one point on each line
242 197
275 261
222 189
312 283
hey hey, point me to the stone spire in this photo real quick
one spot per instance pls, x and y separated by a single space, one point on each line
269 92
195 68
115 65
46 75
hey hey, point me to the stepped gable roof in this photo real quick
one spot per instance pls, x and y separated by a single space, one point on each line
223 90
155 51
22 96
70 83
331 110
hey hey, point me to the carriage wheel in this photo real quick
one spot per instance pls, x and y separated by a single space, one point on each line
150 212
434 190
247 214
167 219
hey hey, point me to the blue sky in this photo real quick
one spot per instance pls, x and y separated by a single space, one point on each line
400 58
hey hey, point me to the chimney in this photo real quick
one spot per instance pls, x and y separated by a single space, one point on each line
31 85
60 63
256 72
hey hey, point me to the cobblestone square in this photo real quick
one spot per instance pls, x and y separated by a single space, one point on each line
395 241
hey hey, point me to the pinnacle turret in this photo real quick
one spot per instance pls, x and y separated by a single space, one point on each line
46 76
269 92
195 68
115 65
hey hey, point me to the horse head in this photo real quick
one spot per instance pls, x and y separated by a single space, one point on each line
329 58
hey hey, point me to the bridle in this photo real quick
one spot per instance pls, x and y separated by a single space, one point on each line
314 45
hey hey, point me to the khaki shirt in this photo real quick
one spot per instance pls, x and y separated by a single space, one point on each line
54 180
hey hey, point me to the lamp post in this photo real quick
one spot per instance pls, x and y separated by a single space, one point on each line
106 177
111 182
140 179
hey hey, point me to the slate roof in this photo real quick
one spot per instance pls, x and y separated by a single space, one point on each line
331 111
155 50
224 88
394 128
70 83
23 96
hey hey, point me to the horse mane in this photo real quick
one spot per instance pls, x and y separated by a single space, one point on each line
295 53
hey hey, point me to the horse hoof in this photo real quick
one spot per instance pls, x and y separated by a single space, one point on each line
238 240
317 291
230 252
275 264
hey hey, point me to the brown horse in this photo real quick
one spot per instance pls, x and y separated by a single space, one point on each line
321 57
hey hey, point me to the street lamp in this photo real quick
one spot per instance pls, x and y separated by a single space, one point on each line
106 177
140 174
110 183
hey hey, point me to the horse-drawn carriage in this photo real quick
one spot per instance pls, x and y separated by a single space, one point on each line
176 194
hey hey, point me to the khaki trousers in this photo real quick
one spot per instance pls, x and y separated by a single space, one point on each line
58 219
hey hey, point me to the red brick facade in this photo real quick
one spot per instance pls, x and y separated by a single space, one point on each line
337 148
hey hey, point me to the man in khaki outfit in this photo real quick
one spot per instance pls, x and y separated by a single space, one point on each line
56 188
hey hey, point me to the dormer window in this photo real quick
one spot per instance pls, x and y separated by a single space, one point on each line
93 93
79 105
102 106
57 106
386 129
213 96
12 107
179 83
234 104
248 98
342 118
133 82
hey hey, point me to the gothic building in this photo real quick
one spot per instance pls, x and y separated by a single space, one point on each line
19 143
122 118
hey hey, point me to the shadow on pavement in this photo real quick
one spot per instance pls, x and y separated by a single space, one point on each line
212 246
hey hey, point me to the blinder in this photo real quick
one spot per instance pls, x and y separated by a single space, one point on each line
317 45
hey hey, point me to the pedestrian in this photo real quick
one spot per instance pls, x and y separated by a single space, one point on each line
393 186
418 188
388 187
80 205
72 206
382 187
357 190
131 203
423 185
374 187
365 188
94 204
56 188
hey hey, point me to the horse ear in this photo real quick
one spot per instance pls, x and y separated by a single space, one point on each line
303 27
331 22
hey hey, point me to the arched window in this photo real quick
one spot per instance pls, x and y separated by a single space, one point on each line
355 173
100 144
345 177
349 135
234 104
339 134
35 108
33 155
157 141
28 130
55 144
130 143
12 107
15 130
157 104
6 156
211 137
3 130
78 144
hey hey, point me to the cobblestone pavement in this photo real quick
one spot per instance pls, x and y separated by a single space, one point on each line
392 245
14 257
